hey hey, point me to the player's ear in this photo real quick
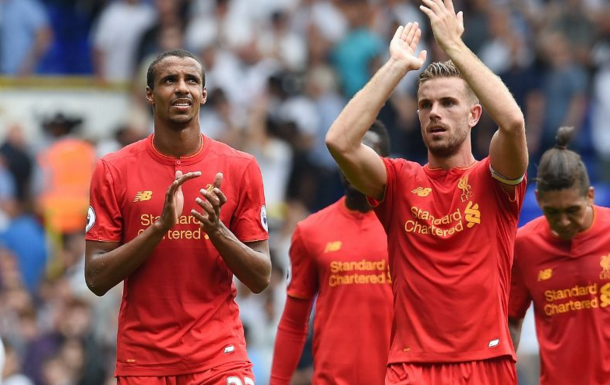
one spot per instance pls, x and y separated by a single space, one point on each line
149 96
475 114
204 95
591 195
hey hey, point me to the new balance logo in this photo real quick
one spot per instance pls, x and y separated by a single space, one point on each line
543 275
333 246
422 192
143 196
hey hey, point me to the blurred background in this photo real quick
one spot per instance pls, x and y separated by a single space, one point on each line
72 82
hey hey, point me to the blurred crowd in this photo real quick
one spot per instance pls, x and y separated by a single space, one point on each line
278 72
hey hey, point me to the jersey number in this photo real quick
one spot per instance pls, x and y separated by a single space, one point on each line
237 381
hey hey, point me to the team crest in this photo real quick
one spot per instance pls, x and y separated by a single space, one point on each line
605 264
465 187
289 274
264 220
90 219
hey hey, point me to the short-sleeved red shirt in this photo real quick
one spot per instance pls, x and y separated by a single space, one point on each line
450 244
178 313
341 255
569 283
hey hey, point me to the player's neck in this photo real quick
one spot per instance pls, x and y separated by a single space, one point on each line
462 159
357 202
177 143
589 217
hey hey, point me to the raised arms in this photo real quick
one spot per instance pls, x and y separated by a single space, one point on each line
360 164
508 148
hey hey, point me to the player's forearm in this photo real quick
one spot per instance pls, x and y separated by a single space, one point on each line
287 352
346 133
576 112
514 326
290 340
493 94
42 42
104 270
252 267
97 61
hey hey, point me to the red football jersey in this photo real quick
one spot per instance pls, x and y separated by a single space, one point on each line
341 255
450 243
178 313
569 283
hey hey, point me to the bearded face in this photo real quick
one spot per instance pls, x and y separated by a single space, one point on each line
445 115
444 141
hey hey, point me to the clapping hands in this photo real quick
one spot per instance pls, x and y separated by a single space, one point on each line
447 26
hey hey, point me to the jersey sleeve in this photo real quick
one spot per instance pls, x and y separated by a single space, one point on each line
249 222
520 299
383 208
512 201
290 340
303 279
104 218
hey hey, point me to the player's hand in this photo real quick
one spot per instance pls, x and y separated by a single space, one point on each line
214 199
403 46
447 26
174 200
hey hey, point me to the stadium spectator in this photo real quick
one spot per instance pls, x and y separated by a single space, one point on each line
116 36
25 36
66 166
358 54
11 373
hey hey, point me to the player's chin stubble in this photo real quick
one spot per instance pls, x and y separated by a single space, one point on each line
446 147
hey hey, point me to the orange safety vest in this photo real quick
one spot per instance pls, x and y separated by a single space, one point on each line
67 167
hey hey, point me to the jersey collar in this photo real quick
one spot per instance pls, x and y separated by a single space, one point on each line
183 160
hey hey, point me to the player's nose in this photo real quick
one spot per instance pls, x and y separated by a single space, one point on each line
563 221
435 111
181 87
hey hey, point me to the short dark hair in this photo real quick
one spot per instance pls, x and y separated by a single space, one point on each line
151 73
560 168
384 137
446 69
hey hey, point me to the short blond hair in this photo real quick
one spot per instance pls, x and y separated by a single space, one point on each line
444 70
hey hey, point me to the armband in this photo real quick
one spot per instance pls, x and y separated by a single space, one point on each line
502 179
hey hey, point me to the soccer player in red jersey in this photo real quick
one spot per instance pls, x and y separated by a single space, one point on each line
562 265
340 255
175 216
450 224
